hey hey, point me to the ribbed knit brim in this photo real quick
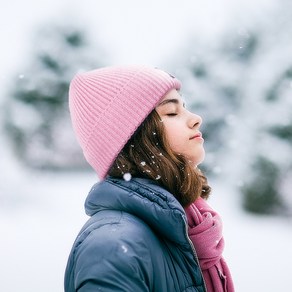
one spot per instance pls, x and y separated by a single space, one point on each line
107 105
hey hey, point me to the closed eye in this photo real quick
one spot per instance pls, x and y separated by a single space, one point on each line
171 114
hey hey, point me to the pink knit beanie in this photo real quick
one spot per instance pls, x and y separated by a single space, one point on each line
107 105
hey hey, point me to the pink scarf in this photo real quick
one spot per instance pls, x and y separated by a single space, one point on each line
205 231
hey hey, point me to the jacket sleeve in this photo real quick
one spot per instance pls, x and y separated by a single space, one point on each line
111 259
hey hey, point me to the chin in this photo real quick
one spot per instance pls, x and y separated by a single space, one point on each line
199 159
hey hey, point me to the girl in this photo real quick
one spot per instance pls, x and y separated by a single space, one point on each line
150 227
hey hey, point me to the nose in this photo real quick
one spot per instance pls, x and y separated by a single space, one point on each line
194 121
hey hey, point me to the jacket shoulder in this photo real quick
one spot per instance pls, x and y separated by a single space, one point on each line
114 249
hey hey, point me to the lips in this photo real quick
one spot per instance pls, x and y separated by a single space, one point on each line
197 135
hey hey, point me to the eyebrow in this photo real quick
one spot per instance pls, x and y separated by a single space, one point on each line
171 100
166 101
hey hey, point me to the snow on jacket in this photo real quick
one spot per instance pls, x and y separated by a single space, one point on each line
136 240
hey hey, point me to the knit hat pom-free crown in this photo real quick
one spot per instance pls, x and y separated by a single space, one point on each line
107 105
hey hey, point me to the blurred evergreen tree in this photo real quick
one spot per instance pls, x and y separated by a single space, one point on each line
241 86
37 118
261 194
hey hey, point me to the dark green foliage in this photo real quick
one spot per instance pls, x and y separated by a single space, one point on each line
199 70
247 47
283 132
37 116
230 92
288 73
75 39
261 195
50 63
243 46
212 132
273 92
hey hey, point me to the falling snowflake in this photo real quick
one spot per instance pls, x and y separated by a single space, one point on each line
127 176
143 163
124 248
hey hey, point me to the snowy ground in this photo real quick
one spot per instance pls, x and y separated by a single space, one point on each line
40 215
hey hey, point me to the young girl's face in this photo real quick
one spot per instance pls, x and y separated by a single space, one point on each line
182 127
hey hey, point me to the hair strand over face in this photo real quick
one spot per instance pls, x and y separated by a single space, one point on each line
148 154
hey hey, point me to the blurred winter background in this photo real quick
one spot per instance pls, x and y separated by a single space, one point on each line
235 61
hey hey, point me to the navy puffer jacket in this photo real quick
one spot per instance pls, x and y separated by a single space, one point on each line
136 240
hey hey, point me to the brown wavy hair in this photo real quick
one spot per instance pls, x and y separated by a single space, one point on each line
148 154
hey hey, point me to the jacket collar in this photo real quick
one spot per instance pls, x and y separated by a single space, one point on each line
144 199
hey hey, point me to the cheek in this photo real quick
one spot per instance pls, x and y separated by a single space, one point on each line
174 137
177 141
177 147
